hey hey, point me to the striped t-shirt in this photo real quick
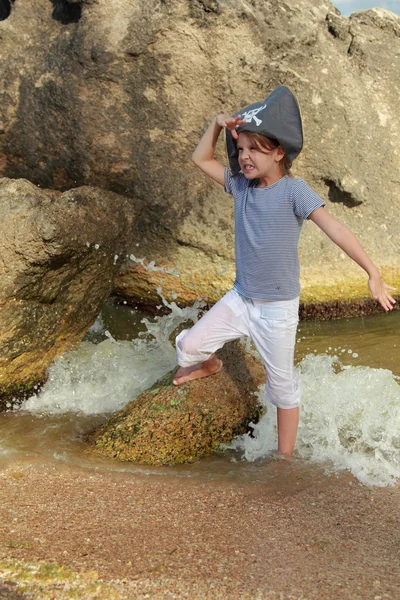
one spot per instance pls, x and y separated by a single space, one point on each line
268 222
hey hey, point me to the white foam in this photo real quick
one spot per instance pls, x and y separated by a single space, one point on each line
98 325
104 377
350 418
98 378
151 266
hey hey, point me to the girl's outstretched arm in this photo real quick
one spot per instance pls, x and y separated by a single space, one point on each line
203 156
347 241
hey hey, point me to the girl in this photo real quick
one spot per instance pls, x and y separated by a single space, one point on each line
270 206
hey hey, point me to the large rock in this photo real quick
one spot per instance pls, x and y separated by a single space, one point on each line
171 425
116 93
59 253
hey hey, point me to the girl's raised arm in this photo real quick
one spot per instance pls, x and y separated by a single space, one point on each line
203 156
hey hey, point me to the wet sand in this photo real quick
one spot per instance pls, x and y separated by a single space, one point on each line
320 537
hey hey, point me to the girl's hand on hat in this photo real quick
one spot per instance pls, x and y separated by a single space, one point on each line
228 122
379 291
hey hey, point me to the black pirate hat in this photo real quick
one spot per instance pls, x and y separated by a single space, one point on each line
277 117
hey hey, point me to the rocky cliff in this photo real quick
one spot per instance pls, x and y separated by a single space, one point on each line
116 94
59 254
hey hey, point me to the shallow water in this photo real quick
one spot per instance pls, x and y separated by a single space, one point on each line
350 419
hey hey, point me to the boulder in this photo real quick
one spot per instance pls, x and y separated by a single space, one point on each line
59 253
170 425
117 93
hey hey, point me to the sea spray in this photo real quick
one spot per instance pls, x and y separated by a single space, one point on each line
104 377
350 415
151 266
350 420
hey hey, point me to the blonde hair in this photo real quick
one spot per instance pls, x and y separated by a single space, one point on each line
265 145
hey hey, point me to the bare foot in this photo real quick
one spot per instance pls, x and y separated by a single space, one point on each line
209 367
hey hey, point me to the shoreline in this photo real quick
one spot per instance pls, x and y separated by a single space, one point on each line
299 536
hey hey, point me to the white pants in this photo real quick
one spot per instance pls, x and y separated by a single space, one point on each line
272 327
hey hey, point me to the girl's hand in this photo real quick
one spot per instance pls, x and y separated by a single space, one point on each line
379 292
229 122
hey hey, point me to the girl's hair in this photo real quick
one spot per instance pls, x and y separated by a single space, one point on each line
265 145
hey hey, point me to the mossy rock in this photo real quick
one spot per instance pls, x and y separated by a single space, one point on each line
171 425
21 580
14 395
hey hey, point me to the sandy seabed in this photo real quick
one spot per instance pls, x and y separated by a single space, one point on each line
117 535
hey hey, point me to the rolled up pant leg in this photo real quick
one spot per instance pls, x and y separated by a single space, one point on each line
273 328
227 320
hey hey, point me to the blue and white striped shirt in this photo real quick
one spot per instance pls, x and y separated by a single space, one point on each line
268 222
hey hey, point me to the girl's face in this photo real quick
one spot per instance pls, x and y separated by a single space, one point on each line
256 164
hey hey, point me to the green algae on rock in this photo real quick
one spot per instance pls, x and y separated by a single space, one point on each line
13 396
49 580
171 425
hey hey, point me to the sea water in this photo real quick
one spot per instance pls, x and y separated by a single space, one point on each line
350 419
348 372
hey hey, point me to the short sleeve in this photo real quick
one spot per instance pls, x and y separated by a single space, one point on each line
304 199
228 181
234 184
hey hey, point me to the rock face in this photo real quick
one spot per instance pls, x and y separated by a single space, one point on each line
170 425
58 259
117 93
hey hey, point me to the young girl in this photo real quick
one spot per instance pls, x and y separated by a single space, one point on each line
270 206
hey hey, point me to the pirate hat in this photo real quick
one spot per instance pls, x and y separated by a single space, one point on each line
277 117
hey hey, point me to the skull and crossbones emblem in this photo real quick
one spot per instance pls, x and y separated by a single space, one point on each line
249 115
